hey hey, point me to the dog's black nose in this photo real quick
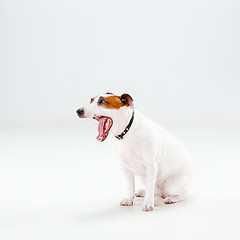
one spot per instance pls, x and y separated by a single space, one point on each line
80 112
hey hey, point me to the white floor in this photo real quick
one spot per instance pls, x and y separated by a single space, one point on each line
58 182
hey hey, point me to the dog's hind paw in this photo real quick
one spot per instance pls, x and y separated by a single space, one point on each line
168 200
140 193
126 202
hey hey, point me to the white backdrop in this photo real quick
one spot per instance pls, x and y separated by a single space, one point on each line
180 62
176 58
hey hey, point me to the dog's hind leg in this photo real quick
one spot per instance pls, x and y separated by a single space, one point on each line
175 189
175 198
141 192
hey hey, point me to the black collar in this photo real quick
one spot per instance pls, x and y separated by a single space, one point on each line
120 136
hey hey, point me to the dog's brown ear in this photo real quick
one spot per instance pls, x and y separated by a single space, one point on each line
109 93
127 100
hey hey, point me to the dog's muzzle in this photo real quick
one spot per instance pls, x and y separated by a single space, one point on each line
80 112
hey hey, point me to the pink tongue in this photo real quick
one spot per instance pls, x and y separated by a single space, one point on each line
101 125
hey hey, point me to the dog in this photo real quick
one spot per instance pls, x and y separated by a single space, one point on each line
145 149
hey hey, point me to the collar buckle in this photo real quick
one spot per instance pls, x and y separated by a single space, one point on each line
119 137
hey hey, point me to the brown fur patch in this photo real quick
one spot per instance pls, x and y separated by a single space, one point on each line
113 102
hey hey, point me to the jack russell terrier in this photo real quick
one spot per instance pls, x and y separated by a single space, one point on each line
146 150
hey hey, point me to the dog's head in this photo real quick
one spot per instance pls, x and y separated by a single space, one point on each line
110 111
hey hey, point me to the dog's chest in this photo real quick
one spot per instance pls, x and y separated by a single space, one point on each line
133 161
135 166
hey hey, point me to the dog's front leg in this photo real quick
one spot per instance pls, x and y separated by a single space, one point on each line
151 173
130 187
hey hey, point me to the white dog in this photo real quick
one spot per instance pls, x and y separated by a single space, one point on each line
146 150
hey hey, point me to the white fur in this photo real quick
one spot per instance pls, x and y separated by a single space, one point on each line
152 153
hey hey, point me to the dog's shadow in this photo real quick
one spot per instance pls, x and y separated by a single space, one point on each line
116 211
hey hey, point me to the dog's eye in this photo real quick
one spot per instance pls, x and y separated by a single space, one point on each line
101 101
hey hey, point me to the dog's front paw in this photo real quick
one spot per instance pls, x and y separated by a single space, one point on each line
126 202
147 206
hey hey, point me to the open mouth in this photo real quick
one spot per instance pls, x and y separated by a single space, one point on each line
104 126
